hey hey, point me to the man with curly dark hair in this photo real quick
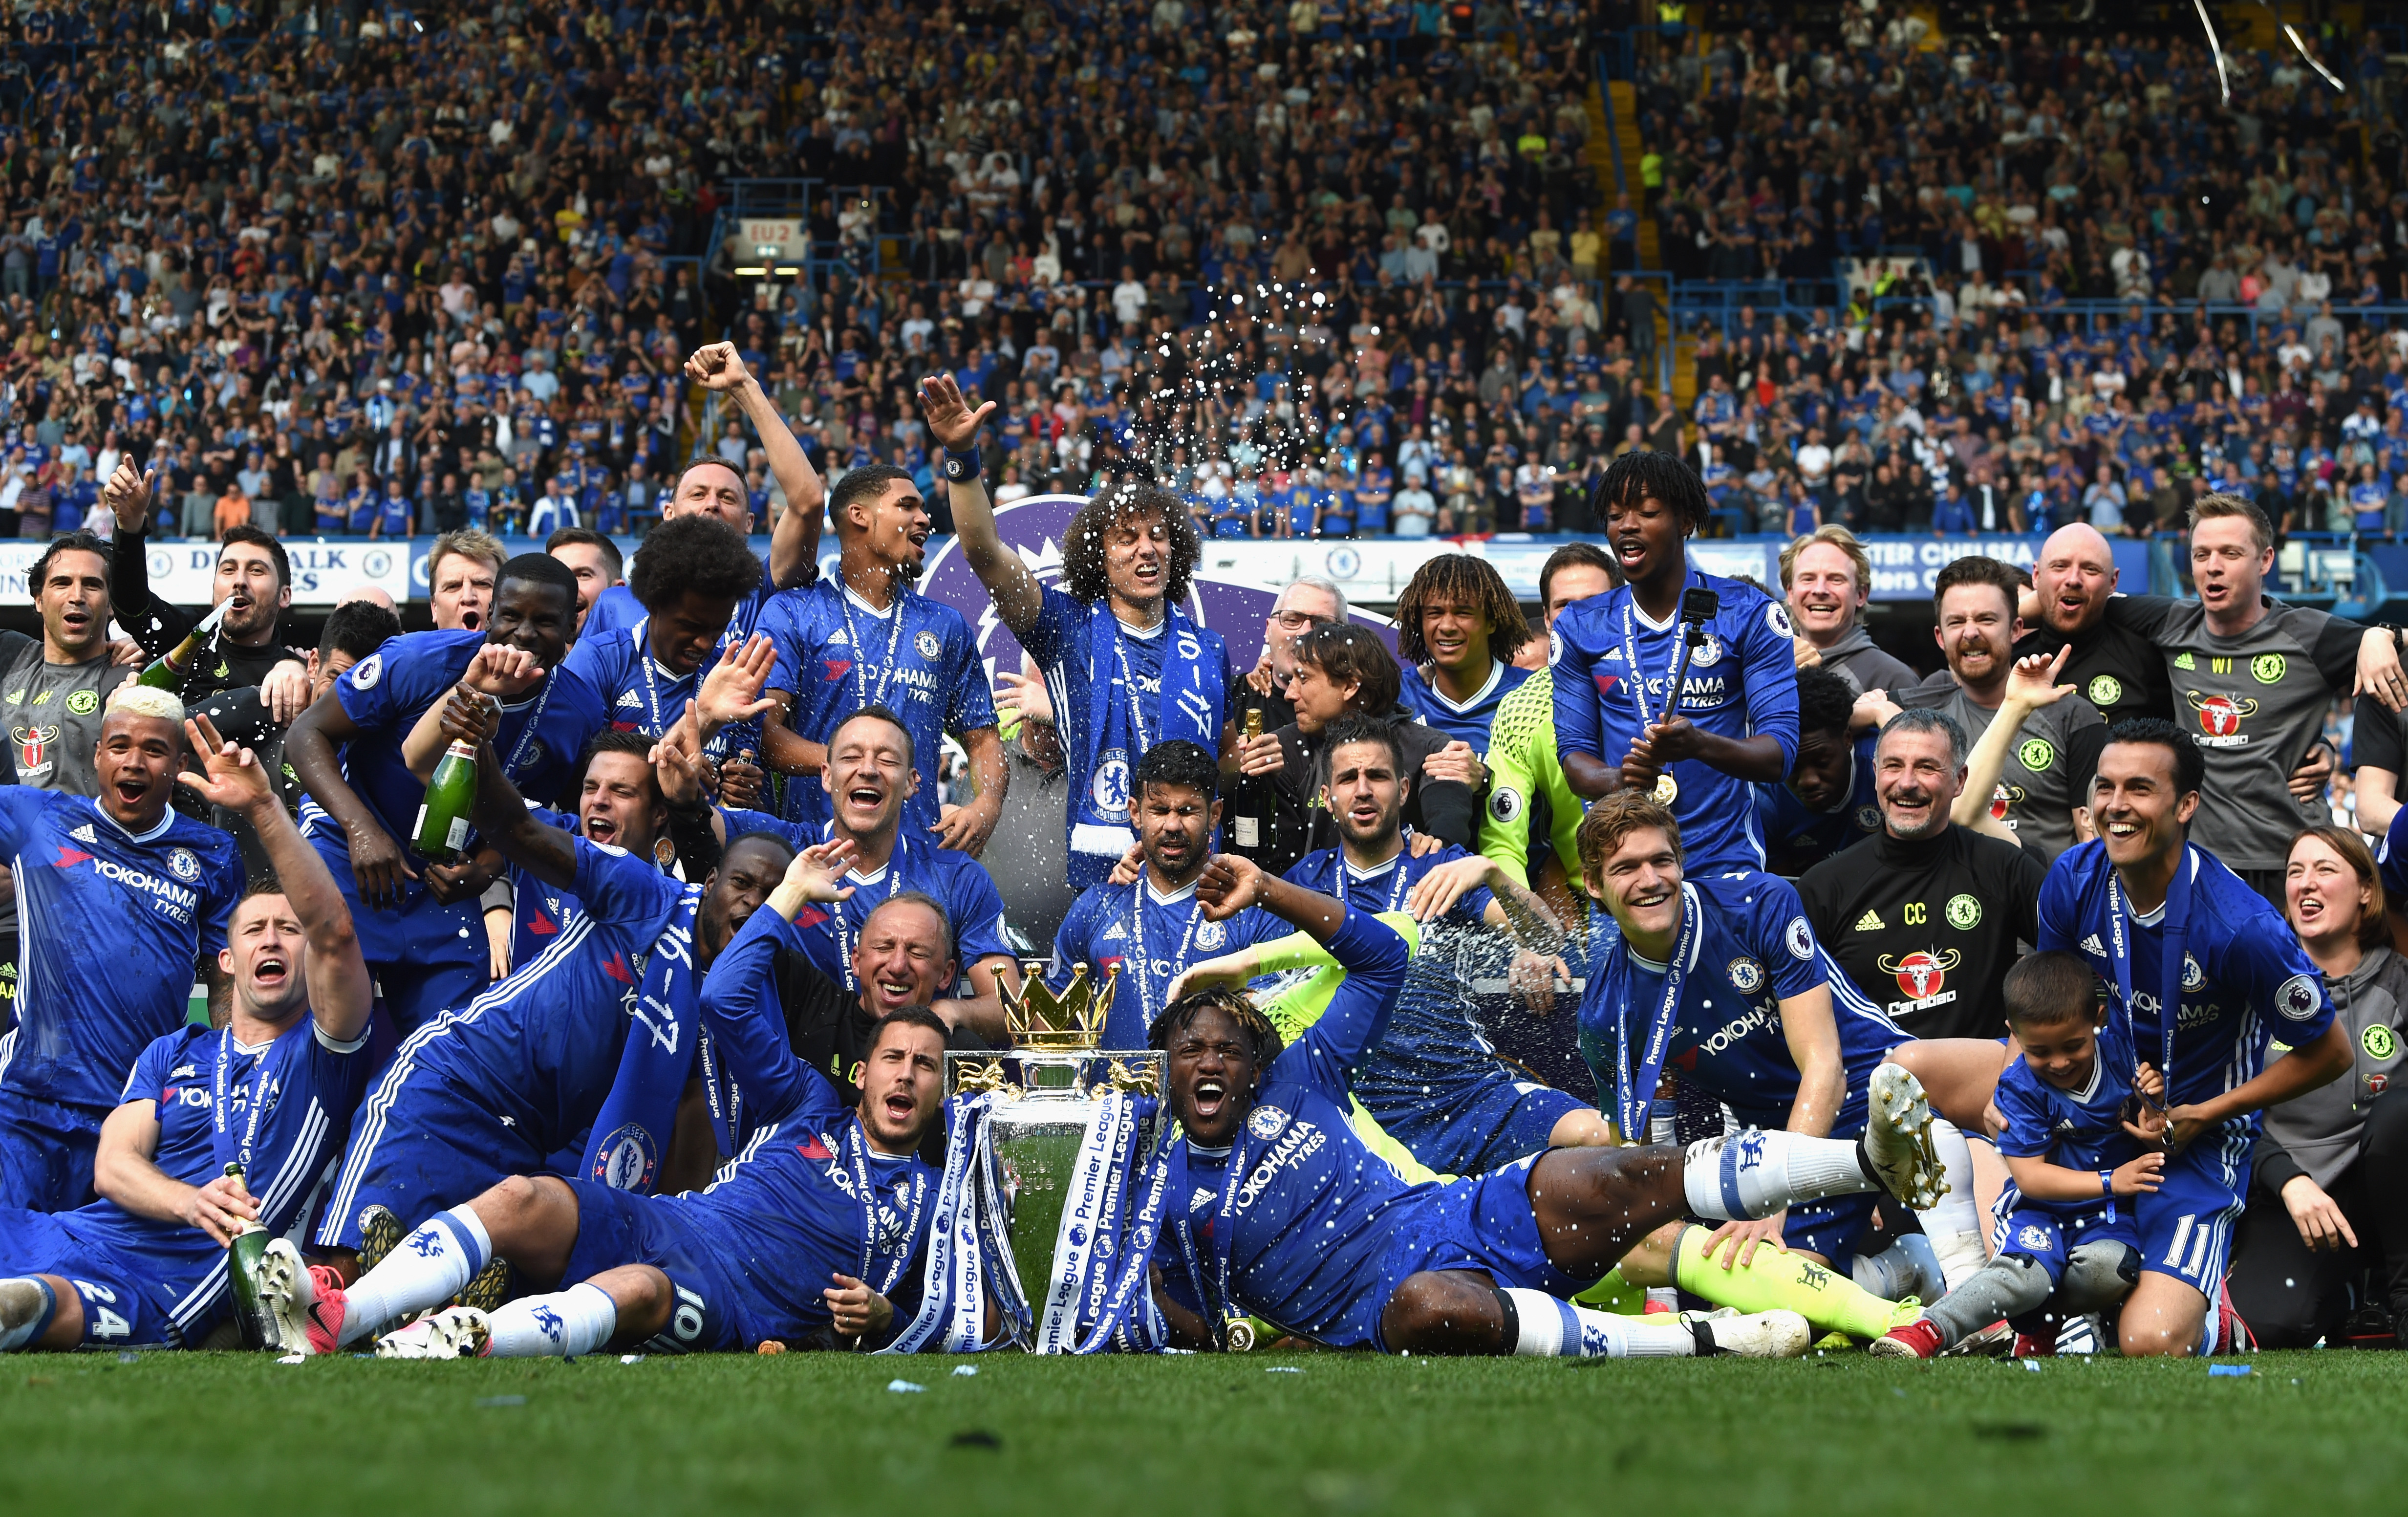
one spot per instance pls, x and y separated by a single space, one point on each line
692 572
1126 667
1458 630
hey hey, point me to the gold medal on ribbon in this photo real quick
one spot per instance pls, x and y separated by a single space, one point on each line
1667 790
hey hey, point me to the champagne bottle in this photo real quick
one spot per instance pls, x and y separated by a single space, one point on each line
167 671
442 830
1253 804
243 1258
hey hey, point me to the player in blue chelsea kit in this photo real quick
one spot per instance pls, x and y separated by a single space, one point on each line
1154 928
869 779
420 926
272 1091
1287 1216
866 638
1458 630
813 1230
711 486
1721 980
1435 1083
1125 664
1828 802
2073 1139
2147 910
1733 723
595 1036
118 895
690 577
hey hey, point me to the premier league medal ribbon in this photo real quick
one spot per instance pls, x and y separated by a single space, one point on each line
1637 1096
2170 960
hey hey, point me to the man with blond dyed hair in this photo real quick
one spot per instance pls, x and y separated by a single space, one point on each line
1827 577
120 896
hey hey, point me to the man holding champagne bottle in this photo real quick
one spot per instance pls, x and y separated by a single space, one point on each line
220 1131
421 926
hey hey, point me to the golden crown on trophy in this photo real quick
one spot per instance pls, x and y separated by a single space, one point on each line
1072 1020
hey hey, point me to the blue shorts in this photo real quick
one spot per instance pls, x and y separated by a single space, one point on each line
422 1141
2048 1237
1487 1124
616 1228
427 957
2185 1225
1831 1227
123 1308
46 1152
1482 1222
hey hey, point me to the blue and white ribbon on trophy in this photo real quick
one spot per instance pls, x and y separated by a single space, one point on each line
1096 1298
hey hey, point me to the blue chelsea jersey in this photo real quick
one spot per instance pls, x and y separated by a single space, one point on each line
111 925
1316 1209
1752 948
309 1084
1743 683
2075 1129
838 653
1150 945
1468 721
2245 980
1797 837
543 1046
541 737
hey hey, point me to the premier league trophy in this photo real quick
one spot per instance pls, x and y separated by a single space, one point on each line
1044 1210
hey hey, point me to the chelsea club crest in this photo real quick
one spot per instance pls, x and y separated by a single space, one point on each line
1111 789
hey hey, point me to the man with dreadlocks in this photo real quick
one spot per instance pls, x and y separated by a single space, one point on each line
1281 1211
1732 724
1458 630
1126 667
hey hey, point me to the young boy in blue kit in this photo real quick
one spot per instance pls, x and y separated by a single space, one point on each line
2082 1137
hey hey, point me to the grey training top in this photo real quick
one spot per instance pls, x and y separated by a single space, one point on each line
2320 1129
54 713
2256 702
2047 773
1857 660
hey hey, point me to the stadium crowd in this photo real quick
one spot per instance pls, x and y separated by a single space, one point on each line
584 972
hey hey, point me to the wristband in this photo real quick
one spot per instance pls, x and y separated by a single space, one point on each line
962 467
2107 1183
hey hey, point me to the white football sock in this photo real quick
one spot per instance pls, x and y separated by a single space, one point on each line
1757 1172
1955 1226
426 1269
27 1304
561 1326
1547 1327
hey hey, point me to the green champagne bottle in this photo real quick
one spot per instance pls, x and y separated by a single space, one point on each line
167 671
442 830
243 1258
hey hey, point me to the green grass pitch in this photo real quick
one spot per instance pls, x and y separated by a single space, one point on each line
809 1434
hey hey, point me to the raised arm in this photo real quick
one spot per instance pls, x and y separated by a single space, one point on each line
2031 685
794 541
739 993
955 427
376 863
155 625
340 991
500 672
502 815
1370 951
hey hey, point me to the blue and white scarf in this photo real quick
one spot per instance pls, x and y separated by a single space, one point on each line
631 1133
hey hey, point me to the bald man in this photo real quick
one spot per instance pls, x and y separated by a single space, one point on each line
2113 667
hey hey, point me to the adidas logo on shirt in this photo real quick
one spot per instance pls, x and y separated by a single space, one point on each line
2092 945
1870 921
1114 933
628 697
83 834
1201 1199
